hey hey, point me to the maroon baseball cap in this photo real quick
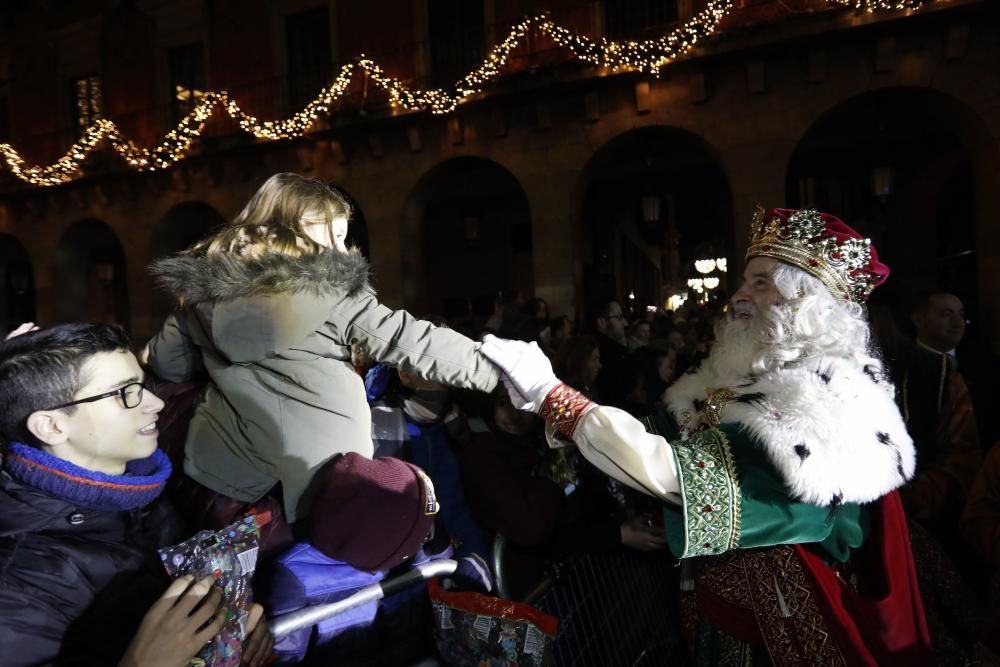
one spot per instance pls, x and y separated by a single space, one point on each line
372 513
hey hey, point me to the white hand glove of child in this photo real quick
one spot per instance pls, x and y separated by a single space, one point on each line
527 372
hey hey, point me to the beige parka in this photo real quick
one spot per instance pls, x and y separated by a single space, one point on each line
274 336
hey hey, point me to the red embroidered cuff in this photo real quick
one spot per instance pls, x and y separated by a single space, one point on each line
565 407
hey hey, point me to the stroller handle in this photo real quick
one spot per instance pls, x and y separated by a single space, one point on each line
304 618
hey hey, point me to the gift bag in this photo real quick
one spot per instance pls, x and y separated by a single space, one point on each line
230 556
471 629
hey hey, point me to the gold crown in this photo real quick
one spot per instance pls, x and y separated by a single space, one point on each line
798 239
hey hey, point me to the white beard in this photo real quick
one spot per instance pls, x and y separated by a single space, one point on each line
829 425
746 347
736 351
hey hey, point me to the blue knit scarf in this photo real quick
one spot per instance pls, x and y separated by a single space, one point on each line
140 485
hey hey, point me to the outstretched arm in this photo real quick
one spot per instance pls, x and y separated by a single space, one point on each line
611 439
397 338
713 507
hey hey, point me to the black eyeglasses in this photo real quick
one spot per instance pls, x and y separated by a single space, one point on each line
131 395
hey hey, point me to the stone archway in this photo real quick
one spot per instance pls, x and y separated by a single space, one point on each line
181 227
652 201
899 166
467 237
17 289
90 275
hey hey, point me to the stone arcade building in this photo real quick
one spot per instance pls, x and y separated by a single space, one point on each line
561 180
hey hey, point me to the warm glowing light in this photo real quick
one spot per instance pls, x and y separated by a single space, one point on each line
704 265
648 56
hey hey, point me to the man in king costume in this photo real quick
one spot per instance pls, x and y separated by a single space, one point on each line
777 459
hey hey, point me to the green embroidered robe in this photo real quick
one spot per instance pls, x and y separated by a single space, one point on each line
733 498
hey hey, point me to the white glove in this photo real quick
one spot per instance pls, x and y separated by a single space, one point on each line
527 372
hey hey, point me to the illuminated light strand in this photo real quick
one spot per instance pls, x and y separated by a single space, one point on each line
648 56
872 6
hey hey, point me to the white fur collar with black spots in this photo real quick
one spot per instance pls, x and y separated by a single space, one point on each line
832 429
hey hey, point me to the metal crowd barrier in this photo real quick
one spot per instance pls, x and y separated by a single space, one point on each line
616 609
304 618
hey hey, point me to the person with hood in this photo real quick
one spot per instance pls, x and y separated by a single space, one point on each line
269 308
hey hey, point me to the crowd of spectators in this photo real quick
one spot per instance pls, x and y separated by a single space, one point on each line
371 441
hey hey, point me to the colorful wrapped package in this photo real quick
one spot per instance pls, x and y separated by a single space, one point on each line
230 556
476 629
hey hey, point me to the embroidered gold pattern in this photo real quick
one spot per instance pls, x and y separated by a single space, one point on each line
718 399
792 625
711 494
802 636
565 407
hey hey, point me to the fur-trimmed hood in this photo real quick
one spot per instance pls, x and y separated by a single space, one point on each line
224 277
831 429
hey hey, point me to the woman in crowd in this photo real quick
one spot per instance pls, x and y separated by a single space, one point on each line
579 363
269 308
546 504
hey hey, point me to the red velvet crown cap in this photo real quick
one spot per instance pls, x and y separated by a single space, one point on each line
822 245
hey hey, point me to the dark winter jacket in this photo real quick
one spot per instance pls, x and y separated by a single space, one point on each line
75 583
275 336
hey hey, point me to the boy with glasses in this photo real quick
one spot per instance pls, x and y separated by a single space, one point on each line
81 516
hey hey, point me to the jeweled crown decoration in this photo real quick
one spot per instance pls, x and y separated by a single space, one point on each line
804 240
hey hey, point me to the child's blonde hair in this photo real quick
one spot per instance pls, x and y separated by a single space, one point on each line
252 241
272 221
287 199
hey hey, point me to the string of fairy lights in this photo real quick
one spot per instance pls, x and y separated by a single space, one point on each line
871 6
649 56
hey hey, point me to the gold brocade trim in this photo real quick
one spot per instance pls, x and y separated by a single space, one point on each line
716 404
773 584
711 494
565 407
710 416
723 576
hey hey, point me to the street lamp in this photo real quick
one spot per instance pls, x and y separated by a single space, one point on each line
882 181
651 208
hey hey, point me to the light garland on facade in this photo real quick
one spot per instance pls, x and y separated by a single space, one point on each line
872 6
648 56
